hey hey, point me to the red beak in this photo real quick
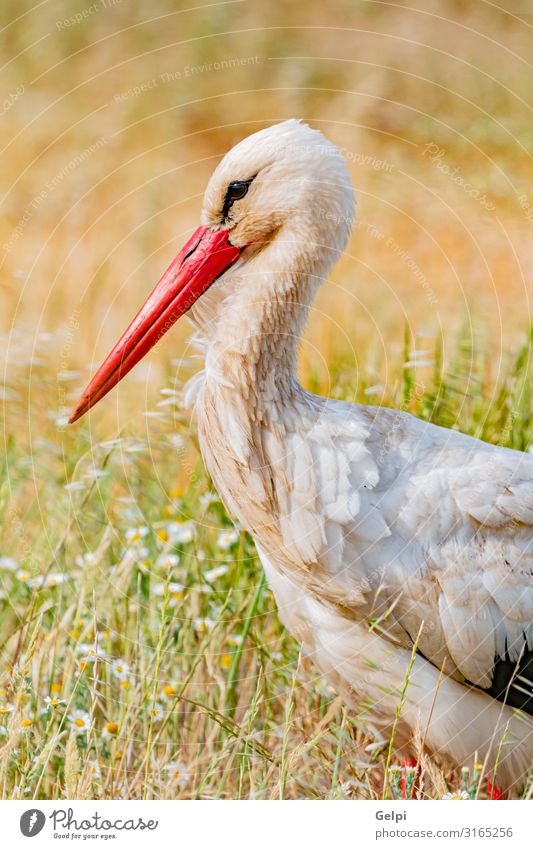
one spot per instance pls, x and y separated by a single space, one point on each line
206 256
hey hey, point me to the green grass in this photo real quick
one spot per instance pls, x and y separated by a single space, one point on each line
216 701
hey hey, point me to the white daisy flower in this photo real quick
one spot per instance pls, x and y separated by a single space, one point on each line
95 770
156 712
177 772
136 534
6 708
203 624
23 575
175 591
52 702
120 668
81 721
226 539
181 533
168 561
456 796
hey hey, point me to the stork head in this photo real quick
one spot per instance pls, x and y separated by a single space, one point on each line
286 185
289 177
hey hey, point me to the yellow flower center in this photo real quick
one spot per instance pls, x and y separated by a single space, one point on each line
80 722
111 727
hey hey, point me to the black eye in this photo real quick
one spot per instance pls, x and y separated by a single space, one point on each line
236 191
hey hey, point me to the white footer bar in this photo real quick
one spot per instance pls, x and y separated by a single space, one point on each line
267 825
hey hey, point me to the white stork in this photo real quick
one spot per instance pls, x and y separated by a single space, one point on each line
398 551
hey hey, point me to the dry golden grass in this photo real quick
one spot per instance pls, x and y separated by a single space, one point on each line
101 183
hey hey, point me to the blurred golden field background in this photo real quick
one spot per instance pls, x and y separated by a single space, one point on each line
114 113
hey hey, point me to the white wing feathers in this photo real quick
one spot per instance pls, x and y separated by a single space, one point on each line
314 473
439 529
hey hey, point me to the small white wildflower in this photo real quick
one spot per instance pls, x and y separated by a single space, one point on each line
217 572
5 708
136 534
23 575
80 720
177 772
87 559
235 639
227 538
456 796
120 791
175 591
8 564
52 702
53 579
120 668
181 533
203 624
156 712
89 651
168 561
95 770
208 498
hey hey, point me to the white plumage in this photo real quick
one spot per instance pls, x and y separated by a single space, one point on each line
375 529
378 532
